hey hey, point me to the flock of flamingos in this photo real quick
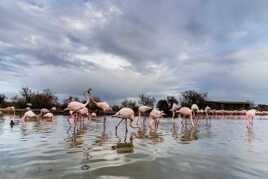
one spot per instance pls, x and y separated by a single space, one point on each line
78 112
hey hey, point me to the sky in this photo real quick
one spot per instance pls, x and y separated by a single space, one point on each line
124 48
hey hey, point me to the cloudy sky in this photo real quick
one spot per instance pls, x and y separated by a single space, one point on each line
124 48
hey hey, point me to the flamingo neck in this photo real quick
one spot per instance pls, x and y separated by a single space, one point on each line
88 99
91 97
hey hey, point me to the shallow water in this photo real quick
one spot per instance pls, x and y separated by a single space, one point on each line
51 150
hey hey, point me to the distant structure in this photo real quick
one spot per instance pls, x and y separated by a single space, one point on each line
229 105
262 107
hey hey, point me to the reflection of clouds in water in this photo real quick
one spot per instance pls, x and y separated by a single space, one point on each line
114 177
147 149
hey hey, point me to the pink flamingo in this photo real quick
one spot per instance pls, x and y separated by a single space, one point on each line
207 110
43 111
154 118
74 107
85 113
250 115
125 114
46 114
93 116
174 108
29 115
104 106
142 111
186 112
195 110
10 110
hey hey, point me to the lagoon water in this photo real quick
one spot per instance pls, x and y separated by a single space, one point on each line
50 150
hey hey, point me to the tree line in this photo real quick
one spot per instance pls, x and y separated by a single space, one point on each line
47 99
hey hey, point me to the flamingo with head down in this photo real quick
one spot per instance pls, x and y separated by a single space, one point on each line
74 107
195 110
187 113
250 116
207 110
29 115
12 111
125 114
9 110
174 108
142 110
154 118
47 114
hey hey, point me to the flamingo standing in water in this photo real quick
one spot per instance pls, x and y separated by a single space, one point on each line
47 114
10 110
104 106
74 107
207 110
125 114
154 118
174 108
29 115
43 111
186 112
250 115
93 116
142 111
195 110
85 113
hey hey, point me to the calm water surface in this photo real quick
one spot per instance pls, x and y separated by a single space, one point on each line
50 150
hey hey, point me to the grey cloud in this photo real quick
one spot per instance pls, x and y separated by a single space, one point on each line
170 46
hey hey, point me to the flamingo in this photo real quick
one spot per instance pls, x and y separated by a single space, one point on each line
250 115
43 111
93 116
48 116
154 118
207 110
194 109
85 113
174 108
74 107
9 110
125 114
186 112
29 114
142 110
104 106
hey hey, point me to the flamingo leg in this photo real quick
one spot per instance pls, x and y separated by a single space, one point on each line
104 128
126 125
143 122
137 122
118 124
192 121
126 131
173 115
